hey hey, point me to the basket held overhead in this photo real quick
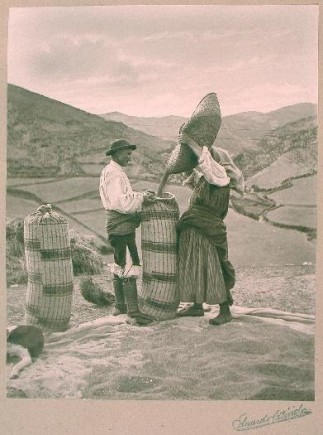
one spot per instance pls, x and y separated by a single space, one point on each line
203 127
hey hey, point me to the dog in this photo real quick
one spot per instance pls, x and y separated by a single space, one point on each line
25 342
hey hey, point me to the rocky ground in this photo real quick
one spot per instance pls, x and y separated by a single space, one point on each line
288 288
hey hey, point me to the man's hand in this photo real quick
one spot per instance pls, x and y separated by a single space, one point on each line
149 196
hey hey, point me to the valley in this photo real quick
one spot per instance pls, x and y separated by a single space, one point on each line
276 151
78 200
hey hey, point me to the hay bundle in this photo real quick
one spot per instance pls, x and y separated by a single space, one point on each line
85 256
49 268
158 296
92 292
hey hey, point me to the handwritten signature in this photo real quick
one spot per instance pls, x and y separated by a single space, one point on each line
244 423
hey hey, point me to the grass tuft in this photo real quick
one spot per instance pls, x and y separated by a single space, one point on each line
86 258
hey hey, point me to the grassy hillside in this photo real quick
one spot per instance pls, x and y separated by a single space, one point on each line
297 139
243 132
46 138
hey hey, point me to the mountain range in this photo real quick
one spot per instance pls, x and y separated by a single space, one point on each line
165 127
47 138
238 133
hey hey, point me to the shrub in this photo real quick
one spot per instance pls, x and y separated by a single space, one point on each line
15 271
15 237
15 259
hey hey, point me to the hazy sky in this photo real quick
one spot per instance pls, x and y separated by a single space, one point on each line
161 60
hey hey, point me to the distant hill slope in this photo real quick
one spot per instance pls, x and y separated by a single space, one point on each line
165 127
283 143
238 133
244 131
292 148
47 138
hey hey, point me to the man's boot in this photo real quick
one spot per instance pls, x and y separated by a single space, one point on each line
120 306
130 292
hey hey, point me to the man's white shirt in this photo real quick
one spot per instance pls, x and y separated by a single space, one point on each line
116 191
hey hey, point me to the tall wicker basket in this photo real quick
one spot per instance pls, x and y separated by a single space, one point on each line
49 268
158 296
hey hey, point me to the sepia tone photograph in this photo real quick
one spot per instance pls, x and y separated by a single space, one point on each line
161 205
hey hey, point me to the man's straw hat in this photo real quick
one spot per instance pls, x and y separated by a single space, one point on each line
203 127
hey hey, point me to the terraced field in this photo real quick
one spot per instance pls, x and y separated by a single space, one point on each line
294 216
78 199
63 189
297 206
74 198
302 192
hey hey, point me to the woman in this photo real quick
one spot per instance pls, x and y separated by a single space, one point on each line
205 273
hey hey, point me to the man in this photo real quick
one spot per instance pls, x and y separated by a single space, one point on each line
123 207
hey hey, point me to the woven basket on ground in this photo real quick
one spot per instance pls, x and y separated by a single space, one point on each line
158 296
203 127
49 268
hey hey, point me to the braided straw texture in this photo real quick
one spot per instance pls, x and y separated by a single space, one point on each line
202 127
158 296
49 268
181 159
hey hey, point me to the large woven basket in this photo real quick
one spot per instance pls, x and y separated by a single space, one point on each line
203 127
49 268
158 296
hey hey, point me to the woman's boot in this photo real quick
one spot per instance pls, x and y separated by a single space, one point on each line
120 306
223 317
131 297
192 311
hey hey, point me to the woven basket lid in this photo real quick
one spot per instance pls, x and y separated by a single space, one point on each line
203 127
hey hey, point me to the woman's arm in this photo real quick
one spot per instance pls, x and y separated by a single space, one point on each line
213 172
192 180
